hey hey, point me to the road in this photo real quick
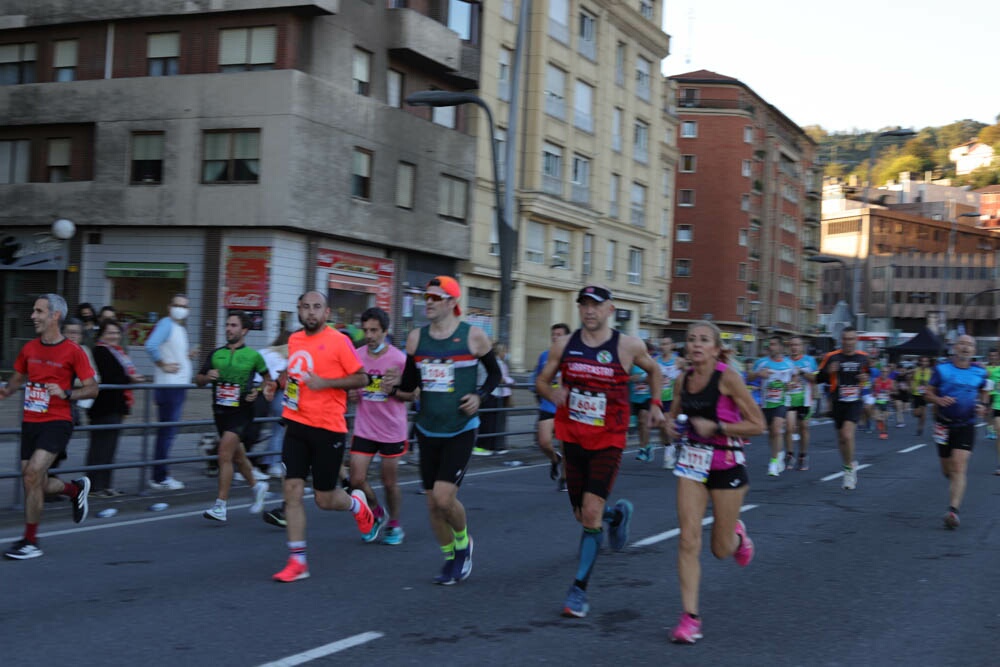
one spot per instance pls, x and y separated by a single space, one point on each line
868 577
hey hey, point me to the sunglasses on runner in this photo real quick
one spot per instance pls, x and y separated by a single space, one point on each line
435 297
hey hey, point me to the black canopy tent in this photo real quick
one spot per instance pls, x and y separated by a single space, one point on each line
925 342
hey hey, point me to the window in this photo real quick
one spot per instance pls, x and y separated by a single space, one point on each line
787 254
685 198
586 42
690 97
580 185
361 72
588 255
59 153
394 88
560 248
638 205
361 174
507 9
552 169
17 64
741 272
616 186
744 202
682 302
534 245
688 164
620 64
231 157
635 266
640 142
163 52
452 197
616 130
147 157
15 160
689 129
609 260
503 74
501 136
663 263
64 53
682 268
748 134
583 105
646 9
559 20
668 182
745 168
741 305
460 18
247 49
685 234
555 92
642 68
406 174
784 314
444 116
786 285
494 241
743 237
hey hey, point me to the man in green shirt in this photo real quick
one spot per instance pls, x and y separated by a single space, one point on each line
993 372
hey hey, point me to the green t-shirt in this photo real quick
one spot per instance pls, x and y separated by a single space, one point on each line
993 373
237 368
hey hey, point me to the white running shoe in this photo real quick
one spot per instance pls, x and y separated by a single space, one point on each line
259 493
216 512
670 453
169 484
772 468
851 477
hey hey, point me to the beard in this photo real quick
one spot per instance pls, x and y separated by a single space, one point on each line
311 328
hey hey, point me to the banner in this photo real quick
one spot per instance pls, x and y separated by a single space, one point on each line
359 273
246 281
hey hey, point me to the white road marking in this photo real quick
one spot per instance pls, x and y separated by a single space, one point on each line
912 449
323 651
674 532
841 473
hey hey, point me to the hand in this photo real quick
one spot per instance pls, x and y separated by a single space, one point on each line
212 374
559 396
137 378
655 417
252 395
945 401
170 367
195 351
353 395
314 382
55 390
269 389
703 427
671 432
470 404
391 379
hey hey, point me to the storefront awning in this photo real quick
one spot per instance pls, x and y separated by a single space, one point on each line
145 270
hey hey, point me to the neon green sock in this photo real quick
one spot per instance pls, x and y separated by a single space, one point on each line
449 551
461 538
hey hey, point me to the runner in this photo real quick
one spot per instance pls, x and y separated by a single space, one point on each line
231 370
960 390
47 367
882 389
547 413
592 422
671 367
380 427
800 394
322 366
639 398
993 371
918 385
442 360
845 371
775 373
712 466
902 396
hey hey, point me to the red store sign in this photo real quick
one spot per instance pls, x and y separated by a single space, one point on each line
359 273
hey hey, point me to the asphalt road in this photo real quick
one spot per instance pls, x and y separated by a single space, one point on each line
868 577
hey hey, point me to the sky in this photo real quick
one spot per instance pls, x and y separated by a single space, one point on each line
864 66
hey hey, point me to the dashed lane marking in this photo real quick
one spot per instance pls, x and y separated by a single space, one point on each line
912 449
325 650
841 473
674 532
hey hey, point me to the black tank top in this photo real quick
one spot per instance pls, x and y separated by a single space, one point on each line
704 402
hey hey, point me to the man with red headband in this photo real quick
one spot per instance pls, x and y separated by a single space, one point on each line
442 360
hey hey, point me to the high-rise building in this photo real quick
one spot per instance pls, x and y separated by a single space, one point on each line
747 214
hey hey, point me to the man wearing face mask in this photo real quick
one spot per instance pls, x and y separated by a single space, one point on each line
169 348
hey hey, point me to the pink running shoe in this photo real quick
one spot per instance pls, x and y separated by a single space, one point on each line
688 630
364 517
744 552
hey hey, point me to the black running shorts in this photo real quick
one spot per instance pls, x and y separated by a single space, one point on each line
50 436
310 449
387 450
959 437
846 412
590 471
445 459
234 420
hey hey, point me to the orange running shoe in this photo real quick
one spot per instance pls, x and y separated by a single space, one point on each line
365 518
294 570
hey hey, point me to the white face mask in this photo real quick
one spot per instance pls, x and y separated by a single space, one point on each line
178 313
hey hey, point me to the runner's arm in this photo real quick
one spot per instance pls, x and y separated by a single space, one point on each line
13 384
543 382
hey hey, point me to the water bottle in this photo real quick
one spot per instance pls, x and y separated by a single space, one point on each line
672 455
682 427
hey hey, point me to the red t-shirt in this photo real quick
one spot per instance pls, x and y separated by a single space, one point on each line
42 363
328 354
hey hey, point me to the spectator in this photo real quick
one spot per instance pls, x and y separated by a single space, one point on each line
276 358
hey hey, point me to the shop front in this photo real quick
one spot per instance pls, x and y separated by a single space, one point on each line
355 283
141 290
32 263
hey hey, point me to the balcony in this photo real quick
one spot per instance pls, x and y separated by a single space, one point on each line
552 185
813 194
810 246
579 193
412 35
811 221
810 275
808 302
703 103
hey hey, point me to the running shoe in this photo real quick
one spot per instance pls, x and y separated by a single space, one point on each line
276 517
803 462
789 461
259 493
670 455
644 454
22 550
393 535
618 535
576 605
480 451
900 425
216 512
687 631
461 567
561 486
372 534
772 468
883 436
364 517
446 578
554 467
951 521
294 570
744 553
80 502
851 476
168 484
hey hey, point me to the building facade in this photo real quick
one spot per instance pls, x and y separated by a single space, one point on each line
746 214
240 151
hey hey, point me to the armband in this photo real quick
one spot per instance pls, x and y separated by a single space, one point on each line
657 402
394 391
69 395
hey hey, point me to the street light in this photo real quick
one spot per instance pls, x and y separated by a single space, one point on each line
63 230
505 231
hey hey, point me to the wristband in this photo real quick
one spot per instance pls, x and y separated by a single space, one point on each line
394 390
657 402
69 395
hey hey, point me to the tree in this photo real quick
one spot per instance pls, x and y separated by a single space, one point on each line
990 135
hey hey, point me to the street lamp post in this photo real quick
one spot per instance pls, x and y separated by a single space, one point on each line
505 231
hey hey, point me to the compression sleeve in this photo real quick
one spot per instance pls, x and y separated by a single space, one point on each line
411 375
493 374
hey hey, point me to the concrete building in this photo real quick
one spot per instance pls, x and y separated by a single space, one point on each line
594 169
971 156
241 151
746 213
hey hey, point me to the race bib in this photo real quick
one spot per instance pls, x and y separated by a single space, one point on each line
920 391
227 394
774 395
373 392
438 376
641 388
694 462
291 400
36 397
849 393
882 397
587 408
940 434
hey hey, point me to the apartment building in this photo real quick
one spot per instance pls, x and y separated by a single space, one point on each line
746 213
594 168
240 151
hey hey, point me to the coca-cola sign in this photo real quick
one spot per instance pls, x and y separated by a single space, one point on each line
247 276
